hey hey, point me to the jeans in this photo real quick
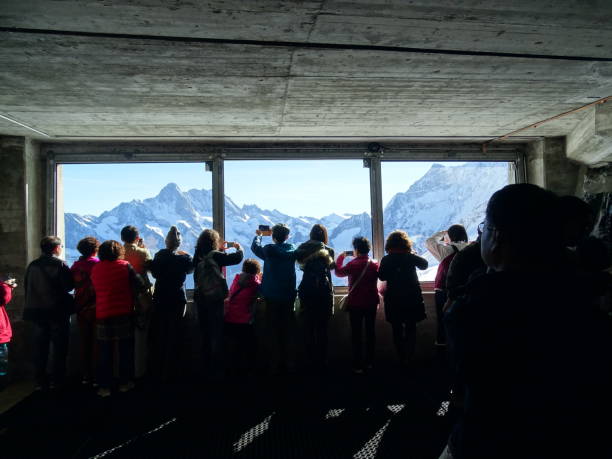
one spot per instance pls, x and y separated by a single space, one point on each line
125 355
168 330
54 331
242 346
359 317
3 359
315 321
440 296
86 321
404 338
280 328
211 325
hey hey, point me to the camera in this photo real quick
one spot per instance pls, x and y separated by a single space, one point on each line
349 253
230 245
265 230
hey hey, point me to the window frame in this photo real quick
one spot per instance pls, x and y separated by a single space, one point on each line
214 154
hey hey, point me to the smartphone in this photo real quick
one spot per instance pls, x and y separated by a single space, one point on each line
230 245
265 230
349 253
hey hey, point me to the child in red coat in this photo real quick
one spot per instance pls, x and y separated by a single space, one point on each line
239 316
7 284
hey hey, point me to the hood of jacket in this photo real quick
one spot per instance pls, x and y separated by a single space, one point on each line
313 250
246 279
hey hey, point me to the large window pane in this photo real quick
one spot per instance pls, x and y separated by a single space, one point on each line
100 199
299 194
423 198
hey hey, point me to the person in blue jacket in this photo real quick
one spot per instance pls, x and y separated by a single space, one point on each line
278 290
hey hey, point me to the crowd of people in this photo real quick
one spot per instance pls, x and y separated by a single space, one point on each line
519 309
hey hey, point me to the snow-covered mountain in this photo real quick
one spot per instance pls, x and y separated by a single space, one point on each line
443 196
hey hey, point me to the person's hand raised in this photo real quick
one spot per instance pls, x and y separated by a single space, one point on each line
258 232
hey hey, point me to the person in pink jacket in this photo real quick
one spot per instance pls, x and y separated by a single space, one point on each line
362 301
240 314
85 300
7 284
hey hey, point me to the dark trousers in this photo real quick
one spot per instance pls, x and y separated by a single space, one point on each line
124 350
440 296
359 318
241 346
315 317
280 328
404 338
54 331
168 330
211 325
87 336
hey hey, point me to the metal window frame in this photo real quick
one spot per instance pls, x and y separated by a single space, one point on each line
219 152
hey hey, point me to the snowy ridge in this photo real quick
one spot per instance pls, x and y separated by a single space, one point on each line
443 196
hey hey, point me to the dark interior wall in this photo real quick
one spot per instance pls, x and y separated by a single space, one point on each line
22 216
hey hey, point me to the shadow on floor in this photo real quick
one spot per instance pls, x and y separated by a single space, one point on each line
386 414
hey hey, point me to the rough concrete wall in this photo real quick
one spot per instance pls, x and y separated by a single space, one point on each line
535 163
13 249
561 174
35 195
549 167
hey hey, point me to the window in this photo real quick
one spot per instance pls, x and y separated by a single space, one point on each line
100 199
335 193
284 185
423 198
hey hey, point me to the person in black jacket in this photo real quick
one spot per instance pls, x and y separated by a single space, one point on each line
210 313
403 299
316 293
48 306
170 268
532 353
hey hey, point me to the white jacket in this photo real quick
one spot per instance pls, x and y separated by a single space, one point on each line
440 249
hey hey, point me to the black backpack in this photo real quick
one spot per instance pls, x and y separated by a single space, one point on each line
210 282
316 283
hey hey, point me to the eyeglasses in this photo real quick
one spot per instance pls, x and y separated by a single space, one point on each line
482 226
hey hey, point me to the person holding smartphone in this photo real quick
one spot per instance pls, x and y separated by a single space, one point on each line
137 255
362 301
209 258
278 290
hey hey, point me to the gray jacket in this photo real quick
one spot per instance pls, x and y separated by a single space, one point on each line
47 279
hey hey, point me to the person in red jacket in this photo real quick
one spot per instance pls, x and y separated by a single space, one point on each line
240 313
362 301
114 280
7 284
85 300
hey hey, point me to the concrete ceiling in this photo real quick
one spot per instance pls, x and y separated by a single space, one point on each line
237 68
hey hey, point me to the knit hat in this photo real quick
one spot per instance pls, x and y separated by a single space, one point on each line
173 239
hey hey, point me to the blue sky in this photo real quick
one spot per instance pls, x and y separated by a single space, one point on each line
297 188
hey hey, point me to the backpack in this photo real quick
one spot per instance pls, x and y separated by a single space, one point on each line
84 293
442 272
315 280
210 284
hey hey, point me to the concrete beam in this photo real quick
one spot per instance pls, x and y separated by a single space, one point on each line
590 142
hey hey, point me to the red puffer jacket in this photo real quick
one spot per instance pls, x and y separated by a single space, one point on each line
6 293
111 281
